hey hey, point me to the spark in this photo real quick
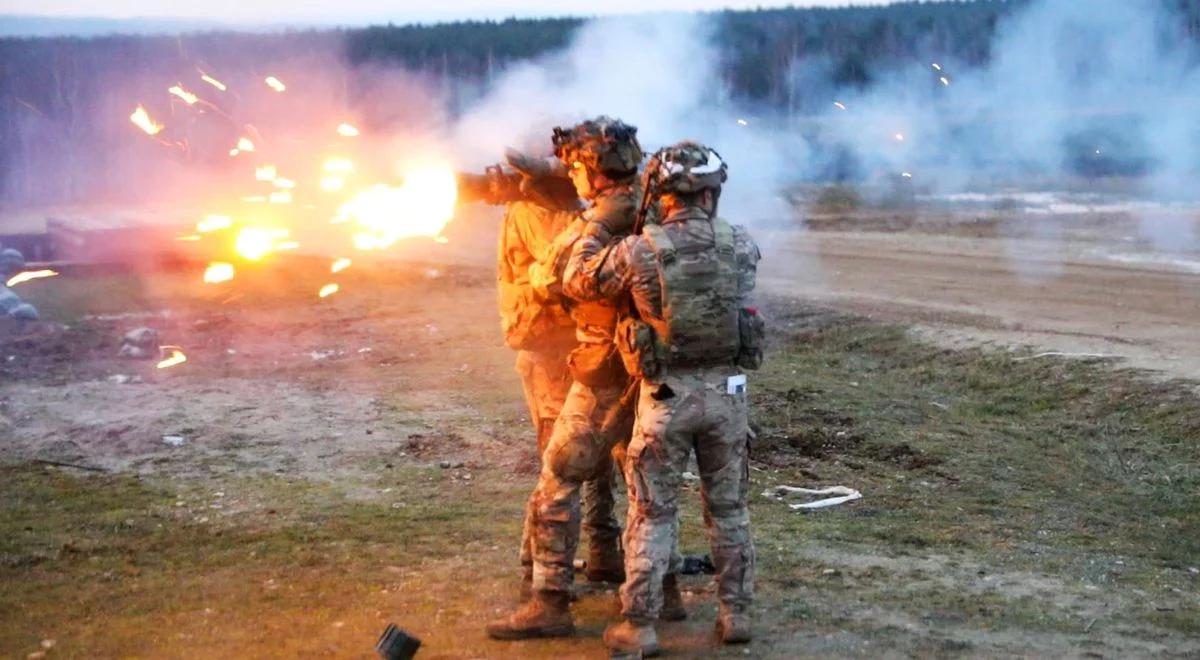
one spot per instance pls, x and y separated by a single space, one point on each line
937 67
338 165
244 144
214 223
900 137
217 272
188 237
25 276
907 175
281 182
945 81
213 81
142 120
187 97
265 173
332 183
234 152
177 357
742 122
839 105
340 265
280 197
347 130
1097 152
288 245
275 84
254 199
328 290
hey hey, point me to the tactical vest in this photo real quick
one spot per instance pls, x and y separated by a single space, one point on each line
699 280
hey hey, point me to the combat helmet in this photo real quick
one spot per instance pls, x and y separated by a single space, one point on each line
686 168
603 144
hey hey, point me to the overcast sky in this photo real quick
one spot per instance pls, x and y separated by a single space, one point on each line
357 11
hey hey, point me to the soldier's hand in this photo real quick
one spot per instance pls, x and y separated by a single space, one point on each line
543 281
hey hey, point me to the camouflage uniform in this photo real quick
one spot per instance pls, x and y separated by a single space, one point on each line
592 421
543 334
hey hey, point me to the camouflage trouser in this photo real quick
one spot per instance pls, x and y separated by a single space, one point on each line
547 381
578 459
688 411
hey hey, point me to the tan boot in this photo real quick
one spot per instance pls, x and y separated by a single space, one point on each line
672 609
547 614
733 625
628 637
526 591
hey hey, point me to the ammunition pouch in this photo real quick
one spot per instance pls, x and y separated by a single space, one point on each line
641 352
597 365
752 338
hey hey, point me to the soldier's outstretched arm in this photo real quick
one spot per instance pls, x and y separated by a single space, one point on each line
748 255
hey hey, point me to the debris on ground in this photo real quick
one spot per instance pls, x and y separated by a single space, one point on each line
842 495
139 343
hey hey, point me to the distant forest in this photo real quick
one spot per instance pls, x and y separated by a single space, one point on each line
57 97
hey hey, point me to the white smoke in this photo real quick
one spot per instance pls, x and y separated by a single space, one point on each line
658 72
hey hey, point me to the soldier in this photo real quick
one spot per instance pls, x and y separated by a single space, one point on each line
602 157
540 202
688 331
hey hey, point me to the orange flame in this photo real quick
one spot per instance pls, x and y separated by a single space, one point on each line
217 272
29 275
385 214
187 97
328 290
275 83
177 357
142 120
254 243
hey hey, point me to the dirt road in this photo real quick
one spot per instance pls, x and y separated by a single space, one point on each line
1064 293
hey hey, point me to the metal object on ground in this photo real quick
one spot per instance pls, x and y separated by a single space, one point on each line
395 644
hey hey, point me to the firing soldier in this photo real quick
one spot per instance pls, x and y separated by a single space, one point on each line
687 335
540 202
602 157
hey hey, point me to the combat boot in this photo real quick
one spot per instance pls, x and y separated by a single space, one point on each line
733 625
672 607
628 637
547 614
526 591
605 563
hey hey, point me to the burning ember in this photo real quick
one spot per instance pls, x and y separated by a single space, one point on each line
347 130
32 275
275 84
217 272
265 173
214 223
181 93
385 214
142 120
340 265
328 290
176 357
213 81
254 243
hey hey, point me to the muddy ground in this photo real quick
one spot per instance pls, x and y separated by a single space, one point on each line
363 459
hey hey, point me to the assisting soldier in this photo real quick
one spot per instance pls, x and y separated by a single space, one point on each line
685 336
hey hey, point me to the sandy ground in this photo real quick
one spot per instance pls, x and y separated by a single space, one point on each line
1088 286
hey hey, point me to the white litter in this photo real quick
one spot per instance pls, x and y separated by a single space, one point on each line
842 495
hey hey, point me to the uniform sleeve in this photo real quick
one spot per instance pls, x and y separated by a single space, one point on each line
748 255
598 266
